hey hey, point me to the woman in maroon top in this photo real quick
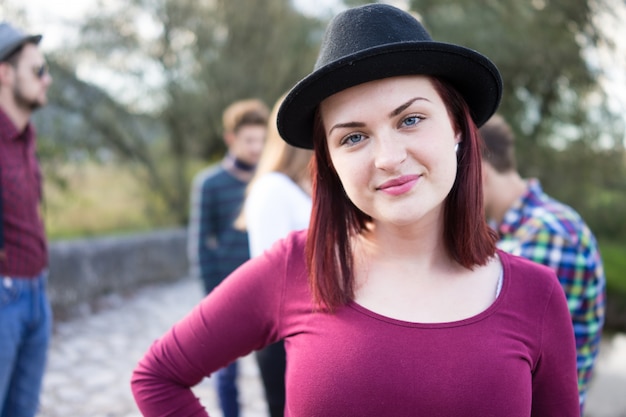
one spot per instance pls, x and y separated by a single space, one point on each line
395 302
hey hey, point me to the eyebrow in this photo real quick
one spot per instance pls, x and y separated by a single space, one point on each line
404 106
348 125
393 113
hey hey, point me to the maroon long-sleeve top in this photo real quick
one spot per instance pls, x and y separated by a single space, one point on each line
515 359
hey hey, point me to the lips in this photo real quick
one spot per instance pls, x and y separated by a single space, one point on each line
400 185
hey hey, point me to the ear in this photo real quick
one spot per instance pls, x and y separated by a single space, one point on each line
229 138
487 171
6 72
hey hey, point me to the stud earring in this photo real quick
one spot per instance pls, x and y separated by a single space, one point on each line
456 147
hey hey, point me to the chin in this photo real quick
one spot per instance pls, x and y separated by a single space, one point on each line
37 104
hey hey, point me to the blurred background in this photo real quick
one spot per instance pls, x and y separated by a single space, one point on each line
139 87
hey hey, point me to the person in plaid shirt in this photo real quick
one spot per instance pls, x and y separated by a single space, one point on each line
534 225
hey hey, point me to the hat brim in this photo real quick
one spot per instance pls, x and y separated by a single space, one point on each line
474 76
11 47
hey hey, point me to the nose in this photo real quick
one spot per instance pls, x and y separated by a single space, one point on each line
390 153
47 79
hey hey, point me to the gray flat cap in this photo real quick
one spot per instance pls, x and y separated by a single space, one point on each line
12 38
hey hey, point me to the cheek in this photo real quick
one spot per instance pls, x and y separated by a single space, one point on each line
451 172
352 176
339 165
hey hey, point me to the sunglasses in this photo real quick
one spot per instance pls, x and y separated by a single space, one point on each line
41 70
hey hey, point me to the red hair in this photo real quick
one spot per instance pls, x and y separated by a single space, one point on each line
335 219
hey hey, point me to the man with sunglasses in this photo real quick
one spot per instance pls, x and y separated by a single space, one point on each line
25 318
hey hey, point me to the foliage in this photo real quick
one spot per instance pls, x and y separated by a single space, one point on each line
83 123
173 67
614 258
100 198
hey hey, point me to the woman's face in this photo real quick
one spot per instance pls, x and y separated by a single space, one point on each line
391 142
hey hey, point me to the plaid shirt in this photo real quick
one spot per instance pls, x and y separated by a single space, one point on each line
23 237
546 231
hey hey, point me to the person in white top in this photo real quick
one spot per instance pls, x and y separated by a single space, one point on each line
278 201
275 206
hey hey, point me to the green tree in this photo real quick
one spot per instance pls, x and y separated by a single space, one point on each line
179 64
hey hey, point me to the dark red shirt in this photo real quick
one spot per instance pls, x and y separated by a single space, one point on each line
517 358
24 240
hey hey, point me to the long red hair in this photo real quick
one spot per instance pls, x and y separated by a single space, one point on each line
335 219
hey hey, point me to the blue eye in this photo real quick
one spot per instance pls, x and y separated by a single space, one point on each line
411 121
352 139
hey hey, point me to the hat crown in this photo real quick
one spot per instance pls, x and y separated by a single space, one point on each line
366 27
379 41
11 38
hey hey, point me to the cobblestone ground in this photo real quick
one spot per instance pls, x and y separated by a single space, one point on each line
92 357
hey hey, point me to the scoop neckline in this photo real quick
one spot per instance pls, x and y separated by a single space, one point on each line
493 307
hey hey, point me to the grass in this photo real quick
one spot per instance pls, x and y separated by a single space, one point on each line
614 258
96 200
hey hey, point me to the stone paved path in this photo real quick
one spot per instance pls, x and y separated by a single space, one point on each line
92 357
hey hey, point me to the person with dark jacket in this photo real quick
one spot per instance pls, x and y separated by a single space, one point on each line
215 246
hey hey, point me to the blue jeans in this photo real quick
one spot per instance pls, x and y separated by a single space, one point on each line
25 329
227 390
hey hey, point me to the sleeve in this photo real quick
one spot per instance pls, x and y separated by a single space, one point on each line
268 214
579 270
2 254
585 284
193 228
208 235
555 388
239 316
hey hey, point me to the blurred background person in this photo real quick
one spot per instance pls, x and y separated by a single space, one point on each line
25 315
215 246
536 226
278 202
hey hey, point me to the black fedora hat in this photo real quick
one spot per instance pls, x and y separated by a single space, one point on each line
378 41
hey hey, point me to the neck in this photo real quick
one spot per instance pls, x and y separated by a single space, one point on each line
237 168
243 166
417 243
15 113
510 188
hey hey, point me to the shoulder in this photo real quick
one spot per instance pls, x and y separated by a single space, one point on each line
207 174
292 244
274 182
531 295
527 278
285 258
216 177
554 218
276 187
289 250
